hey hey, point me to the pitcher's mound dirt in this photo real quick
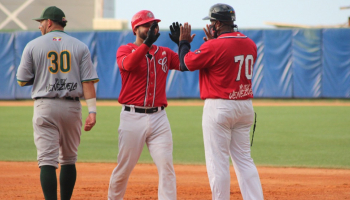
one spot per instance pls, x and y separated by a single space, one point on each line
20 180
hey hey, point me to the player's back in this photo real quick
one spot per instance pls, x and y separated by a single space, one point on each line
231 73
234 53
54 48
57 63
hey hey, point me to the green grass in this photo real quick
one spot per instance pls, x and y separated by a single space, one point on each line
16 134
284 136
302 136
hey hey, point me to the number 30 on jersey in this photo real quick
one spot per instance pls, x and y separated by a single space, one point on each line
249 61
59 61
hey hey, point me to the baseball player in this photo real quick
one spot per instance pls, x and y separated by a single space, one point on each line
60 69
144 68
225 62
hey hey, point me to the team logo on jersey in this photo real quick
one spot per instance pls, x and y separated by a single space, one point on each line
56 39
197 51
164 53
163 63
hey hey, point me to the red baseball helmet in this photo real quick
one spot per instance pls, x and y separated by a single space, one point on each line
142 17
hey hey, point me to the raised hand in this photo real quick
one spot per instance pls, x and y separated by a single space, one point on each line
207 33
185 33
175 32
152 34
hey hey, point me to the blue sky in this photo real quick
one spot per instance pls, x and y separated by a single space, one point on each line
249 13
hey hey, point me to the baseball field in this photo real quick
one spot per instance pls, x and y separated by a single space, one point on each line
301 149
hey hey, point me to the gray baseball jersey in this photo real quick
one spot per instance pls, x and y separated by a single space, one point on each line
58 63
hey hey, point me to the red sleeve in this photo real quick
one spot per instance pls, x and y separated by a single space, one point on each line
204 57
129 58
174 60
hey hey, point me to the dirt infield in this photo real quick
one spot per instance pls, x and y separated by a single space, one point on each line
20 180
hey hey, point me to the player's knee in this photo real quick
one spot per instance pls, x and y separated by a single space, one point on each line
164 161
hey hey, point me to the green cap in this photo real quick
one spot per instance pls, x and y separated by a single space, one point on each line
52 13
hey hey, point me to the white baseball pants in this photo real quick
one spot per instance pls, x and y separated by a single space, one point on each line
136 129
226 126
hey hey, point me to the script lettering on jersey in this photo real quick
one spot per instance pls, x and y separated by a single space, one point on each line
163 63
60 84
244 90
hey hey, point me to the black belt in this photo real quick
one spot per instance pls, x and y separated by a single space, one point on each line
66 98
144 110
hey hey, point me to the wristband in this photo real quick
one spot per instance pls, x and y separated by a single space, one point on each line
91 104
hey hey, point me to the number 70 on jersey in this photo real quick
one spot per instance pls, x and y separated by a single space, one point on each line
248 62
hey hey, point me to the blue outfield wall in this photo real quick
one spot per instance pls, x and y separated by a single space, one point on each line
291 63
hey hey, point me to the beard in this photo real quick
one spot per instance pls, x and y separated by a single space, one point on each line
142 35
213 31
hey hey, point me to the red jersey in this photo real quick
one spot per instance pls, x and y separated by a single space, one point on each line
226 66
144 78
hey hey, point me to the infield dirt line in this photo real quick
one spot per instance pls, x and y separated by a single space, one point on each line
256 102
192 182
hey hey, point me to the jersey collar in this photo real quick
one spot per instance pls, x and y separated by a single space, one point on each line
232 34
57 31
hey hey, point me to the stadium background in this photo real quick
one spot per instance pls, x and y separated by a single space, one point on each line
291 63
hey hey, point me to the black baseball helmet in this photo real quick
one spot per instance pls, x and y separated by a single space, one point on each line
221 12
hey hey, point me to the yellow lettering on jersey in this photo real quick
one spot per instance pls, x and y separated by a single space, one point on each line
53 68
63 63
65 60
